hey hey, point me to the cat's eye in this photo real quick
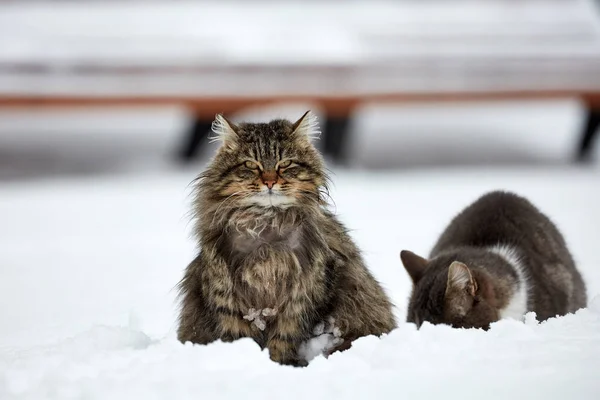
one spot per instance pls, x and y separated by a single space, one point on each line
285 164
251 165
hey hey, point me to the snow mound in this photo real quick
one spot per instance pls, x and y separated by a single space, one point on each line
554 359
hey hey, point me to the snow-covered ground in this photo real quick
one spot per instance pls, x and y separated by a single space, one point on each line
89 261
87 301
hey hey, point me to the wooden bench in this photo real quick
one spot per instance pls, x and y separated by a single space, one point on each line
211 57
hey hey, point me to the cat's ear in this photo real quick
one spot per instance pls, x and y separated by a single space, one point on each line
415 265
307 126
224 131
460 278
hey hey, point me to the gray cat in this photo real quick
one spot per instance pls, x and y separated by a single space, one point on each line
499 258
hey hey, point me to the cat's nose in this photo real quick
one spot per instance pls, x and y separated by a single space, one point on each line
269 179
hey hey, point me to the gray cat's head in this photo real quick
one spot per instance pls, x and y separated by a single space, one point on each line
455 289
266 165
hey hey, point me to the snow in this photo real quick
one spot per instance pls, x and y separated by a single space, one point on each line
551 360
88 308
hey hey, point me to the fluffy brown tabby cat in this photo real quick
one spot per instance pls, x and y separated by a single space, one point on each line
274 263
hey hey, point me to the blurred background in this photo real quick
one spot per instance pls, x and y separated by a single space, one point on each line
93 88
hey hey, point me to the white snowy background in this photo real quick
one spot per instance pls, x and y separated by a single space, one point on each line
94 237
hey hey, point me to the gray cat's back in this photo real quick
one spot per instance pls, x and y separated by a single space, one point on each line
511 222
497 217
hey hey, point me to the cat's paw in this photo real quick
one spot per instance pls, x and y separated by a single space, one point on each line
319 329
330 326
335 338
325 327
327 338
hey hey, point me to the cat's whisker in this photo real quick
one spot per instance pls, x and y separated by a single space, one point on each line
310 199
316 197
195 180
325 192
230 198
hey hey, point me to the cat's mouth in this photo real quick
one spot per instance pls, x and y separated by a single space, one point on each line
271 198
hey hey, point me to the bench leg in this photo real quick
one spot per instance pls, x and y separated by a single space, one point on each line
194 139
336 138
591 128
